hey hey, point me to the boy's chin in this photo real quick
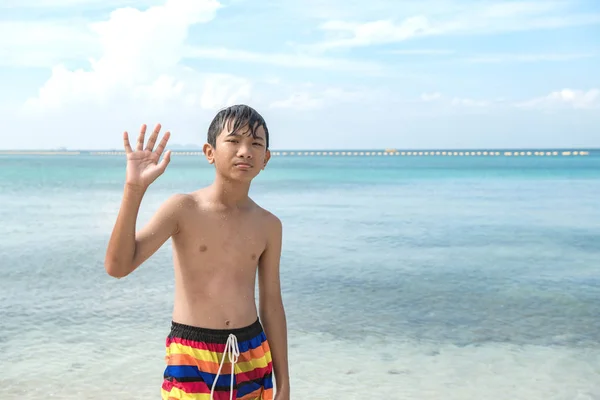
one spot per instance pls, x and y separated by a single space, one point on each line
240 176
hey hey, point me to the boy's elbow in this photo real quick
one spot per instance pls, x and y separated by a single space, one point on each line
115 269
115 273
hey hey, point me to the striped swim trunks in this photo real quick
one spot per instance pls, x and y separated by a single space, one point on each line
200 360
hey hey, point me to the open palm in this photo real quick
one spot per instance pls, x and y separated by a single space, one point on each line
143 166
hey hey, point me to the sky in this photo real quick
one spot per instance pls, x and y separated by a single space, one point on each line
325 74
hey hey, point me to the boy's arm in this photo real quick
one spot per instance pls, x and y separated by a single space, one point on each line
271 311
127 249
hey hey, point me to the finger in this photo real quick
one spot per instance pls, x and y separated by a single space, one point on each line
153 138
140 142
165 161
163 143
126 143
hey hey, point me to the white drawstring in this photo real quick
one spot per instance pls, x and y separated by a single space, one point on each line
232 351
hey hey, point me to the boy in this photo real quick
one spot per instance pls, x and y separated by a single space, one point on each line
217 347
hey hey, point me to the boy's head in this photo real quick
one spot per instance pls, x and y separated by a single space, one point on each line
237 118
238 142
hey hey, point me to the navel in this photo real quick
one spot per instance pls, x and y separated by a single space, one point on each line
202 248
228 322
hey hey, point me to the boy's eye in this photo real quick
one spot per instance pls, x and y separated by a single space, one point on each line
257 144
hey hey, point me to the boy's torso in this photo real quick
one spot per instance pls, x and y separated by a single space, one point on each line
216 253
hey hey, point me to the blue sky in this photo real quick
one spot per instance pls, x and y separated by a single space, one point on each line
324 73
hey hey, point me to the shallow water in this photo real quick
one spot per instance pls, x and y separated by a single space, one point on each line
420 278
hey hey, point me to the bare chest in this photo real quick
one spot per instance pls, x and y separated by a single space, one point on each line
222 241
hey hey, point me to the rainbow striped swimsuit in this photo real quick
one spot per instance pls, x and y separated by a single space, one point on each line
200 360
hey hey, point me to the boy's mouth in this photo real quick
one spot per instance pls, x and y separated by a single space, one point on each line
243 165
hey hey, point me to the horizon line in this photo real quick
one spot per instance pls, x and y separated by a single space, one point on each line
523 152
386 149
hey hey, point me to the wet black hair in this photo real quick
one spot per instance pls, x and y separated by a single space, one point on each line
240 115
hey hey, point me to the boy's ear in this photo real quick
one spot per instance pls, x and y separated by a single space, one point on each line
209 152
267 158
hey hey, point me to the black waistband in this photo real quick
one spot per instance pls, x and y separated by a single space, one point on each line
199 334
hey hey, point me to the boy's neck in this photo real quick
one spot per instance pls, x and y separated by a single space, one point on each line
231 194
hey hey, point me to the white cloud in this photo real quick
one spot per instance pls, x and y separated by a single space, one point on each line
300 61
324 10
420 52
431 96
472 18
524 58
310 98
137 42
381 31
438 98
48 44
140 55
7 4
299 101
521 8
565 98
44 44
466 102
561 99
222 90
496 58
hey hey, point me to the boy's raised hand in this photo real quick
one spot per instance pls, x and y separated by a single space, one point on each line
142 164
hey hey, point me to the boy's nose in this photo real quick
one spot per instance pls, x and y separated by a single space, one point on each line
245 152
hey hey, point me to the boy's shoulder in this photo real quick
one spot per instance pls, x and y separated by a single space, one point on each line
179 201
191 199
271 220
177 207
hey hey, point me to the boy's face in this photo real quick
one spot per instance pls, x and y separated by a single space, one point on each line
239 155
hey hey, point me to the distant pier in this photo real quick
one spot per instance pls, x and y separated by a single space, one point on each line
439 153
346 153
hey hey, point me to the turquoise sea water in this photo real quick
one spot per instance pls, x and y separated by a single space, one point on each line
403 278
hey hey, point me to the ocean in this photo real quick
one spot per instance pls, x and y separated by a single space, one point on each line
403 277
